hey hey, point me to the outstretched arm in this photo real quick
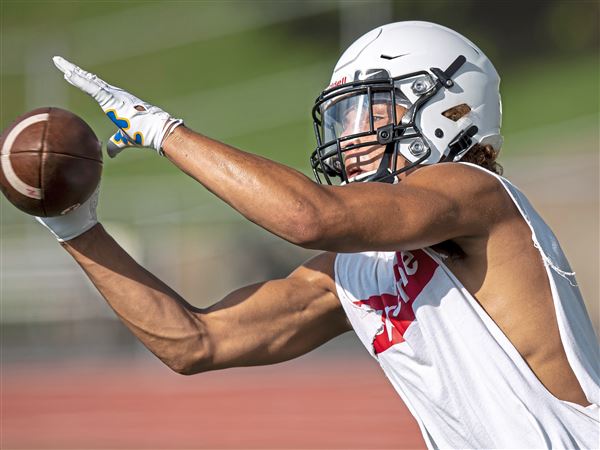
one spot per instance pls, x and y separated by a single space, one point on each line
259 324
435 204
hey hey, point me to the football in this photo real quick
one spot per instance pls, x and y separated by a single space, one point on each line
50 162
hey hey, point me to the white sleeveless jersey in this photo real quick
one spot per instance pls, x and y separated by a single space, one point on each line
458 374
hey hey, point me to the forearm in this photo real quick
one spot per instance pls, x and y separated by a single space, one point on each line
276 197
167 325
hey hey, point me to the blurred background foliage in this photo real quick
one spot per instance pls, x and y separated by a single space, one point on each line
247 72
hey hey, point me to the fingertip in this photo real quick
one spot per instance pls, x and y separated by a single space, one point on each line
59 62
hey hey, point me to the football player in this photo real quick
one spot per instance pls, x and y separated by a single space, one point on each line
444 270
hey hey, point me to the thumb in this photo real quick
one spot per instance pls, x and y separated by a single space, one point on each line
120 141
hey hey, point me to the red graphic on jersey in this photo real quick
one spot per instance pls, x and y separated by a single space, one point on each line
412 271
396 317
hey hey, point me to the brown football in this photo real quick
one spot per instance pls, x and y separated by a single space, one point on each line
50 162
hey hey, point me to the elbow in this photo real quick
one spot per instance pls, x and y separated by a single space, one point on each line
183 367
309 221
190 355
188 364
311 224
308 231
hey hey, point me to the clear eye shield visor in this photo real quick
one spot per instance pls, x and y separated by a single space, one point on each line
374 110
353 117
352 114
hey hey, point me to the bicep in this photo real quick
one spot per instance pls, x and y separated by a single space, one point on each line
275 321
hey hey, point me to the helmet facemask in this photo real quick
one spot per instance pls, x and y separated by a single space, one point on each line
364 114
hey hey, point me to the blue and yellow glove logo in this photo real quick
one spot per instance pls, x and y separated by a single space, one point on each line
121 137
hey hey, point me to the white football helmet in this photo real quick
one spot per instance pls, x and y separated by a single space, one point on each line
427 69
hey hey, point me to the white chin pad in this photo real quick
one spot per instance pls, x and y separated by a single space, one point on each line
363 176
359 177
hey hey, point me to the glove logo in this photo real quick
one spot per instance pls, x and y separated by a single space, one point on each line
123 125
70 208
122 137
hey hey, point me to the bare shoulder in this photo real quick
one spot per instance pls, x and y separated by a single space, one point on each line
453 176
472 188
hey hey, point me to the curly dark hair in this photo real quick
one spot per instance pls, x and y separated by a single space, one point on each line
484 156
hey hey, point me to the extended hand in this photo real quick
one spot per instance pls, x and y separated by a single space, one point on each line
75 222
140 124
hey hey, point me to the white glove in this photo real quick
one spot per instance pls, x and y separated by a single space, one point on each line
140 124
75 222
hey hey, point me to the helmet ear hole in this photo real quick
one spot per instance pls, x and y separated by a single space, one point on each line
457 112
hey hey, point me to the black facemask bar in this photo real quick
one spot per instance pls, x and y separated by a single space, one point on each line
327 159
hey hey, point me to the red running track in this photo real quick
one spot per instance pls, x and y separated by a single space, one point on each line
328 404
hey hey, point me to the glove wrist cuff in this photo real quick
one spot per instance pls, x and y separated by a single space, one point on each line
169 127
74 223
75 233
